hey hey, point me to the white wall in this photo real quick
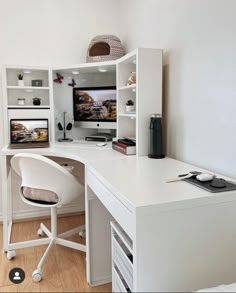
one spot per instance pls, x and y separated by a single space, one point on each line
199 42
51 32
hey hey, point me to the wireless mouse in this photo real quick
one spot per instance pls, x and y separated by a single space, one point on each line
204 177
101 144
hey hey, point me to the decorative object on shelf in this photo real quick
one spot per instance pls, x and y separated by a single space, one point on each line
20 79
132 78
73 83
130 106
36 101
59 78
21 101
156 138
104 48
64 128
37 82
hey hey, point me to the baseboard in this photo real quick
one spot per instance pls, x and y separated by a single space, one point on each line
32 214
101 281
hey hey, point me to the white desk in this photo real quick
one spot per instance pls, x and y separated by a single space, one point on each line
183 238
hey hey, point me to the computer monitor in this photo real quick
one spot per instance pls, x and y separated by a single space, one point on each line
95 107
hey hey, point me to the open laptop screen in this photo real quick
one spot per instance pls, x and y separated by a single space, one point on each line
29 131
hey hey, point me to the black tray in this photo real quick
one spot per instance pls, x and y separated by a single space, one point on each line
229 186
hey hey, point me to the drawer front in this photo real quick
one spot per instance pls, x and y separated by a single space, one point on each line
122 215
121 260
117 284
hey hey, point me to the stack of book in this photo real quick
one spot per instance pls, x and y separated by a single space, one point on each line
125 146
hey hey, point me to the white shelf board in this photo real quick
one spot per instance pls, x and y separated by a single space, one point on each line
25 67
127 87
28 107
88 67
131 115
28 87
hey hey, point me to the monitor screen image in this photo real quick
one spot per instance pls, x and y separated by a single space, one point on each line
29 130
95 104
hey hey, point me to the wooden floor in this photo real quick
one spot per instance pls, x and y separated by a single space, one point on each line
64 270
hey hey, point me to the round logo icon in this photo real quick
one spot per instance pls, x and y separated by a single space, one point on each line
17 275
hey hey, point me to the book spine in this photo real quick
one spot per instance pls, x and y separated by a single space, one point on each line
124 149
120 144
119 149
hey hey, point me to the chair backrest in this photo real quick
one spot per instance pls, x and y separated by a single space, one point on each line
39 172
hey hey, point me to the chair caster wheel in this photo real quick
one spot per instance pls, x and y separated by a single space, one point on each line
11 254
37 276
40 232
82 234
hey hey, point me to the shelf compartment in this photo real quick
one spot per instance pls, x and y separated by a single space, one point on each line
126 127
34 74
14 94
125 67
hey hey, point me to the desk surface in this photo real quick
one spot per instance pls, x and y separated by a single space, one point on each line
83 152
142 182
136 181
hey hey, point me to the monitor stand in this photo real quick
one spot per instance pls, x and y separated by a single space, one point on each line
101 136
65 139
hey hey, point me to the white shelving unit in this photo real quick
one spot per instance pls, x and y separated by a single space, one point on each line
12 92
146 94
58 98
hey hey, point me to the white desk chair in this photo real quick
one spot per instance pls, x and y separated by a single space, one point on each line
46 184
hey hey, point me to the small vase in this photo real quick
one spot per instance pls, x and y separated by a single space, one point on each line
20 82
130 108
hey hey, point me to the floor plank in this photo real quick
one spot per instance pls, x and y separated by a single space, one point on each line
11 288
64 269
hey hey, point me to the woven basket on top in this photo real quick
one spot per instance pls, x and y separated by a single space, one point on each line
104 48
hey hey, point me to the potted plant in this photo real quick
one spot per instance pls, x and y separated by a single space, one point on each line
36 101
20 79
129 106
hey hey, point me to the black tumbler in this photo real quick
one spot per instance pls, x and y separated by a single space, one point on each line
156 140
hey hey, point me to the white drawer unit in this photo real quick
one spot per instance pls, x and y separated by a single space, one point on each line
122 257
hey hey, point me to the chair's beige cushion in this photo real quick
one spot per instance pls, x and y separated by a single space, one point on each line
36 194
42 195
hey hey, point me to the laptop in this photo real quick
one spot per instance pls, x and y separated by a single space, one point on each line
29 133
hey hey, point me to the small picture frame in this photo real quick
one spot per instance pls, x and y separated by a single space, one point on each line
37 82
